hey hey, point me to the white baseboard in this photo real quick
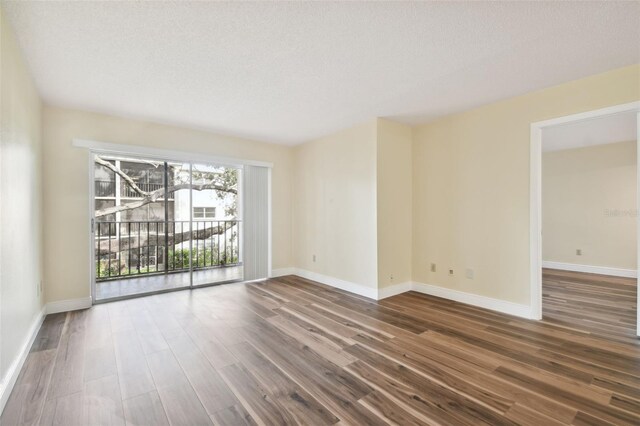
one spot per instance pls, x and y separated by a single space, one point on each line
498 305
370 292
10 378
523 311
68 305
395 289
281 272
602 270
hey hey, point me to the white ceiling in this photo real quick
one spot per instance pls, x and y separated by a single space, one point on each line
596 131
290 72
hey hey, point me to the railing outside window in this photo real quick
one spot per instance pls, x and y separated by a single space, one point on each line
127 192
107 188
133 248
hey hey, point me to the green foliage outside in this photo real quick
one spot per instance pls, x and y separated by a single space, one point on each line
178 260
109 272
201 258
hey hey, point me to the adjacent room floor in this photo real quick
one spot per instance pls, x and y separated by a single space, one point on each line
598 304
289 351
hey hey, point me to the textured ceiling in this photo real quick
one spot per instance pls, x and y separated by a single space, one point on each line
290 72
595 131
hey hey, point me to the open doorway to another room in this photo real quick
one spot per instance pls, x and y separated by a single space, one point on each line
589 225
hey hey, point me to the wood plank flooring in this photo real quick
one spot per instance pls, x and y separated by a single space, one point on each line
599 304
290 351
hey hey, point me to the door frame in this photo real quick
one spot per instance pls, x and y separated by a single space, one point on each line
97 148
535 190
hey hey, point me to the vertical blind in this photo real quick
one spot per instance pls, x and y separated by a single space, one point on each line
256 207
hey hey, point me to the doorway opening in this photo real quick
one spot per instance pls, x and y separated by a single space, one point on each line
584 221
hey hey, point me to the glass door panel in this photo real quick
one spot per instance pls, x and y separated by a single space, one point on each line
134 204
178 222
216 224
162 225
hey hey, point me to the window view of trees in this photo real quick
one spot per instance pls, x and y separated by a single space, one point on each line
161 217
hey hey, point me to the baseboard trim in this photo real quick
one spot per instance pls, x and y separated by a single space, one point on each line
281 272
68 305
602 270
503 306
394 290
370 292
10 378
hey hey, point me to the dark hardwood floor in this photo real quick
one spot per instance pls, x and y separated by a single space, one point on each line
289 351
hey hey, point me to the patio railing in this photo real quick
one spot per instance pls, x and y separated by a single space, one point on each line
134 248
127 192
107 189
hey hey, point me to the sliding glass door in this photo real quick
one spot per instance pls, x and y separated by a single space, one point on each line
216 225
162 225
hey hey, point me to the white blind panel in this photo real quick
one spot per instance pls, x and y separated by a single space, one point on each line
256 214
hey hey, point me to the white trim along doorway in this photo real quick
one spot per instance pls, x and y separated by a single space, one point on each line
535 214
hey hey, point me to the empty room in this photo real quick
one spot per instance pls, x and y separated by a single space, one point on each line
310 213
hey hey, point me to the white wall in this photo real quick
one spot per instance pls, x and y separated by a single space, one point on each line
589 203
335 208
20 206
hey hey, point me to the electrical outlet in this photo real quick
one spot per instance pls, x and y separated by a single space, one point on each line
391 277
579 252
450 271
469 273
433 267
314 257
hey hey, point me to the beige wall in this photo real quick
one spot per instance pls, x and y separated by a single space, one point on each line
334 198
394 200
471 185
66 186
20 203
589 203
335 205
